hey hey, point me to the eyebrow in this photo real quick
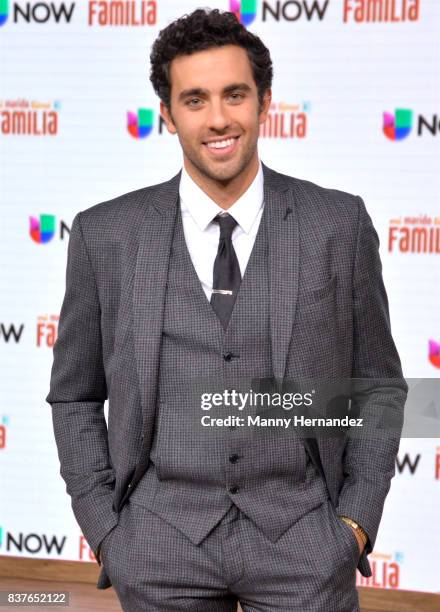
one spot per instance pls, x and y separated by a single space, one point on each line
199 91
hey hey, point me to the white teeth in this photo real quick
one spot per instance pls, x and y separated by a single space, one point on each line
221 144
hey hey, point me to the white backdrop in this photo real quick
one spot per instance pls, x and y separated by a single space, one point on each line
71 73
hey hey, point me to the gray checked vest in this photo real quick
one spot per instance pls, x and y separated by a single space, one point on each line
197 472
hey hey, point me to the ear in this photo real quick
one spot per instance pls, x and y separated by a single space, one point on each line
166 116
267 99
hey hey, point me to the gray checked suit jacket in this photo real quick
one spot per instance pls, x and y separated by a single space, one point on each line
323 251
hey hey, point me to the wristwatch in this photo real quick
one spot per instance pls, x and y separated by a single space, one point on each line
356 527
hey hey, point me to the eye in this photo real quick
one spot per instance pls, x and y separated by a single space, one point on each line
190 102
236 96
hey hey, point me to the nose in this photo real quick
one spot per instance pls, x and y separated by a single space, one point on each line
218 117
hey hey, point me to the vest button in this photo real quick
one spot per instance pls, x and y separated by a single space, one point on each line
233 489
228 356
234 458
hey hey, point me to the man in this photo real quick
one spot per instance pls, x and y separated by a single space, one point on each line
228 271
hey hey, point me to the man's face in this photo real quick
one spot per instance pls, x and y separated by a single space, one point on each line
215 111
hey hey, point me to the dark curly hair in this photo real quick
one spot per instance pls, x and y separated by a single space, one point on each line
201 30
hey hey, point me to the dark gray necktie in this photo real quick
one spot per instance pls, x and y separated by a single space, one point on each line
227 276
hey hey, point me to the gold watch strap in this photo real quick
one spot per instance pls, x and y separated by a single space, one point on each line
355 526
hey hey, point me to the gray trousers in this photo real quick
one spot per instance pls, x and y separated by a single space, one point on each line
154 567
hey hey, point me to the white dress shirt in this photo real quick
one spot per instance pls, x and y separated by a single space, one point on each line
202 235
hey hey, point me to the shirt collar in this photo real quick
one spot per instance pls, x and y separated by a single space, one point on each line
203 209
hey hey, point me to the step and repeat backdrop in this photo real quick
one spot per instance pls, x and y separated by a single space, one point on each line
356 107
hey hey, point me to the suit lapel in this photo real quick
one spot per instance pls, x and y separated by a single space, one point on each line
150 280
282 231
283 237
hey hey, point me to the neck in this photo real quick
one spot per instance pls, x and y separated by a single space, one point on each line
225 194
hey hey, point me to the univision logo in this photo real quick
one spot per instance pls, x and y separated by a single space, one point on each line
4 11
278 10
140 125
397 126
42 230
244 10
434 353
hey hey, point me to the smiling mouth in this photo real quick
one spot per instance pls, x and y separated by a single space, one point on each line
222 146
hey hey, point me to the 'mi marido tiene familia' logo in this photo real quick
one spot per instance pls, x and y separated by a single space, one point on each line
29 117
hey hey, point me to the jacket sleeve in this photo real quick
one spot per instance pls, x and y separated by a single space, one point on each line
77 394
369 458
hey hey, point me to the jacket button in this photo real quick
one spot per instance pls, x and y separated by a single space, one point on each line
233 489
228 356
234 458
129 485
